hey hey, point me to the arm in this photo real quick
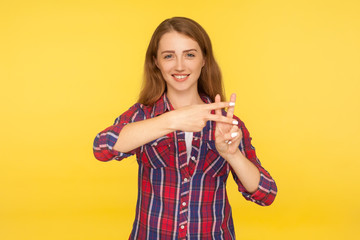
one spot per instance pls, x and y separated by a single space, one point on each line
255 183
104 141
191 119
136 134
132 130
234 145
247 173
266 190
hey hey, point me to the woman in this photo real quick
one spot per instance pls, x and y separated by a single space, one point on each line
184 141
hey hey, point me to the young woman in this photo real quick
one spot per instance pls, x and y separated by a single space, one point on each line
184 141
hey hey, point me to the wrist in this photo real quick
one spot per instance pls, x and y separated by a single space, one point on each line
233 157
169 121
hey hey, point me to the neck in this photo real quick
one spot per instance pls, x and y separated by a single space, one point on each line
178 99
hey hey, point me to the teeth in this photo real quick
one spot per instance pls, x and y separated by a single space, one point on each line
180 76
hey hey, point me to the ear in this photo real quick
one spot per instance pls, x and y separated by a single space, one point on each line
203 62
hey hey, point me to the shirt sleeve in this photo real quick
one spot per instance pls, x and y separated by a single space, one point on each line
105 140
267 190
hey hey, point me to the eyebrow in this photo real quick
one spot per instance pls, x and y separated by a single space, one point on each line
169 51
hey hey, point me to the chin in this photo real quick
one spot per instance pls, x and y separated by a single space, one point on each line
182 89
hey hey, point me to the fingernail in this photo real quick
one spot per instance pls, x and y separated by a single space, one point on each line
234 134
231 104
229 142
235 122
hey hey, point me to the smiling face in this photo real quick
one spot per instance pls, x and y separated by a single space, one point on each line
180 60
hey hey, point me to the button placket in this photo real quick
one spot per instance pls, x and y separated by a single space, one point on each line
184 186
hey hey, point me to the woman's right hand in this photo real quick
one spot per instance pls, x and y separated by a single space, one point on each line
193 118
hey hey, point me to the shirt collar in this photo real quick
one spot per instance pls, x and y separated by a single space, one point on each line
162 105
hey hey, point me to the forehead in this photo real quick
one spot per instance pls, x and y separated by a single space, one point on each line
177 41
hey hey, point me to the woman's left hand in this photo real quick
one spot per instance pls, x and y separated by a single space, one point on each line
227 136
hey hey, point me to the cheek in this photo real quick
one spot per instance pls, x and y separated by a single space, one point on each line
164 67
197 67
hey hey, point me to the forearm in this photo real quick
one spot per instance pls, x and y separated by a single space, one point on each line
136 134
245 170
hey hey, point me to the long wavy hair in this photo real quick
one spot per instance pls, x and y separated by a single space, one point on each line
210 80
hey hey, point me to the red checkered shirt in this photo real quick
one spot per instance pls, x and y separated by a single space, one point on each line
177 199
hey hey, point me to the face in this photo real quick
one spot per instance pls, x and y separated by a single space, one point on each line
180 60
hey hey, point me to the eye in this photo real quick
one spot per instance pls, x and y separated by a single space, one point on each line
190 55
168 56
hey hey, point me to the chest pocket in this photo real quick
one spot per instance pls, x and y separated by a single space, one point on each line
214 164
157 153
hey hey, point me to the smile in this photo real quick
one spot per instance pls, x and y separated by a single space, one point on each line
180 78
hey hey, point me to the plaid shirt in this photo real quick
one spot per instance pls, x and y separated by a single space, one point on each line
177 200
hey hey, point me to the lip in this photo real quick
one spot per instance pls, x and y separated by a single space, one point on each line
180 79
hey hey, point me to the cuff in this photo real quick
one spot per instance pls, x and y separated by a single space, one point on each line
266 192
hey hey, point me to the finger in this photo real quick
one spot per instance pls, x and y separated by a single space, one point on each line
220 118
217 100
230 111
233 134
236 136
217 105
235 141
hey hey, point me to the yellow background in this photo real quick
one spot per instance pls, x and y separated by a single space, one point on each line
69 68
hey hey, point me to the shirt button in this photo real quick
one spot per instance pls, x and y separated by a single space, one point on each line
155 144
182 226
192 158
184 204
186 180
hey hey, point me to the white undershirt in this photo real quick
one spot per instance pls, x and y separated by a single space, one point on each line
188 141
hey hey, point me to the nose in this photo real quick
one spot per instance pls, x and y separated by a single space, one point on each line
179 65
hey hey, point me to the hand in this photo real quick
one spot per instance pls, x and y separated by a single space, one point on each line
193 118
227 136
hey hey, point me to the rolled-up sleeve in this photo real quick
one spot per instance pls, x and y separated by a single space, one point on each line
267 190
104 142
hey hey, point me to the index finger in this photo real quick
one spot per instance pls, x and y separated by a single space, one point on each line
217 105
